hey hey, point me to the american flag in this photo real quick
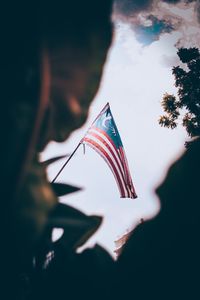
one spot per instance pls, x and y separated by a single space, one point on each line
104 138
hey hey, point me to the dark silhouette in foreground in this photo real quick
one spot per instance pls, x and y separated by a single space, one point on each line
161 259
52 58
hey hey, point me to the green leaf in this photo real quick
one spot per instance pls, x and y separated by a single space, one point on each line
186 55
50 161
78 227
62 189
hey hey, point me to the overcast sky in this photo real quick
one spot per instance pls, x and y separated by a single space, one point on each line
136 75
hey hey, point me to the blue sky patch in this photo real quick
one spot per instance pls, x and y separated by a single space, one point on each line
148 34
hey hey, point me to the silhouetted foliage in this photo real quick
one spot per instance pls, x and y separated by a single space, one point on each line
186 106
52 160
62 189
161 258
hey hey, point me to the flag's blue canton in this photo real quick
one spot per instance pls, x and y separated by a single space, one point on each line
106 123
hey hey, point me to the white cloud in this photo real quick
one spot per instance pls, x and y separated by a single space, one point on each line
134 81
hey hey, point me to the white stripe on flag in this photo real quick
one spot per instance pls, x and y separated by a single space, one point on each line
92 130
117 156
90 144
105 148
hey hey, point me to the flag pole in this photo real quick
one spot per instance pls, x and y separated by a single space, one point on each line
66 163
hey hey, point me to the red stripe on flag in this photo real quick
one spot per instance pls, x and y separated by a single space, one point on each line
124 163
107 136
115 158
129 180
111 151
89 141
121 158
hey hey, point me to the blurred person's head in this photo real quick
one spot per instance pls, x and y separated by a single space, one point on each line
52 55
77 36
51 60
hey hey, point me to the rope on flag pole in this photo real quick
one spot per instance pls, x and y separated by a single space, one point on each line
66 163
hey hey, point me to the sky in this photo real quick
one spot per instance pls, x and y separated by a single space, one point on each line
137 73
